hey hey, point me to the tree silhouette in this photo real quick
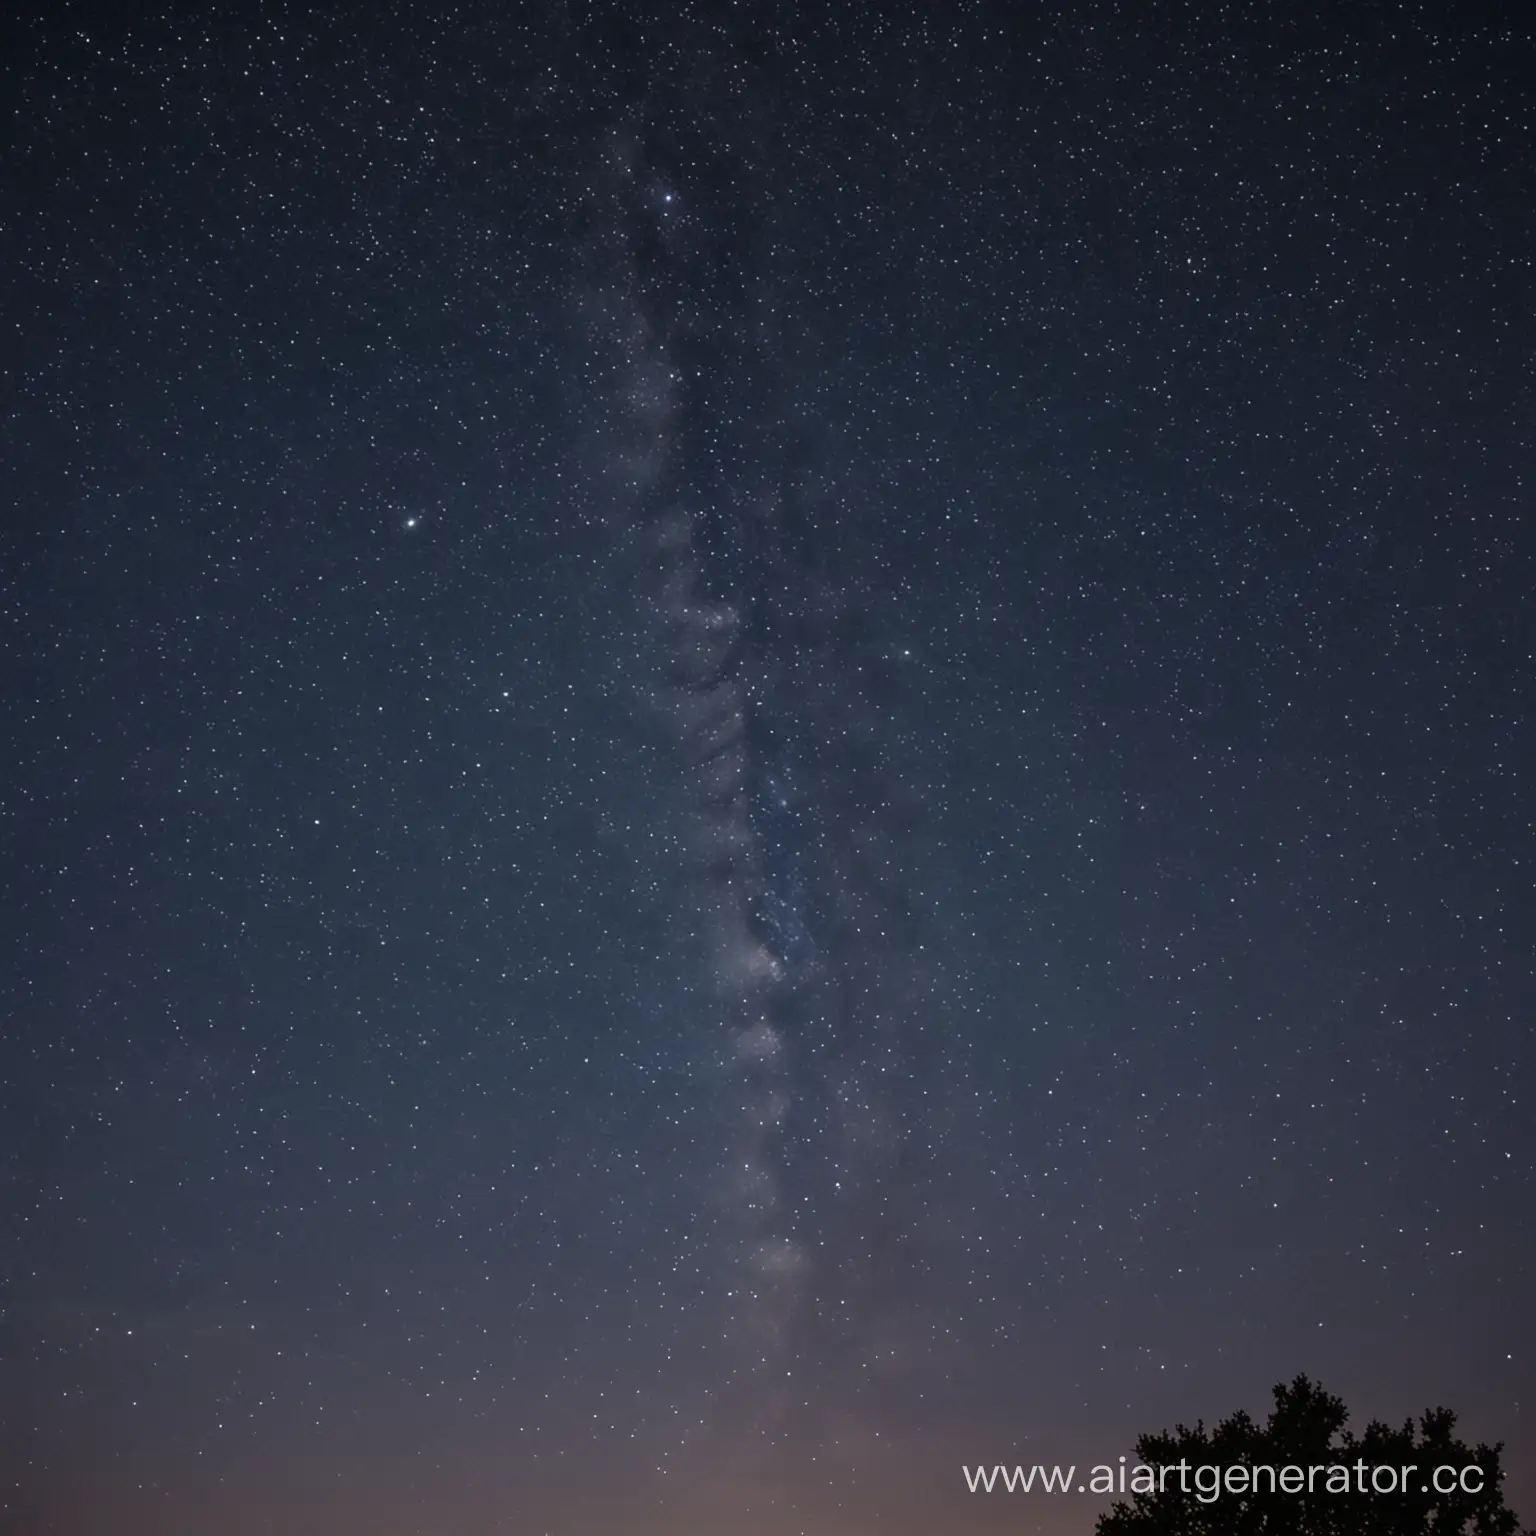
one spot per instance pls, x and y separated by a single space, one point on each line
1186 1488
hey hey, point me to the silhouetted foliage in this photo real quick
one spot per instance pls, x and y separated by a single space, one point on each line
1307 1430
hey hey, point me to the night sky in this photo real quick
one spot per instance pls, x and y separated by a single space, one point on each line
751 750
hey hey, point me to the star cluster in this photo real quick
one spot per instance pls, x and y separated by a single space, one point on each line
751 750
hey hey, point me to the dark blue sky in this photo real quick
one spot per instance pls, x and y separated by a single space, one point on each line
751 750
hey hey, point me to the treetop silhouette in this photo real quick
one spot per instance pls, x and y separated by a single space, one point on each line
1305 1473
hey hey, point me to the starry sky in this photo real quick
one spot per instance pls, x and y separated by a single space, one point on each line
753 749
